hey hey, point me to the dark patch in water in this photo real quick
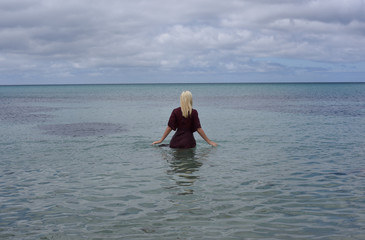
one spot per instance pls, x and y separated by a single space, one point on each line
25 114
82 129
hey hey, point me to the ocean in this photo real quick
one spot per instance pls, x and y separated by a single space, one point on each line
76 162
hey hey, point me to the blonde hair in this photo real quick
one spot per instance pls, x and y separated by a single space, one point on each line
186 103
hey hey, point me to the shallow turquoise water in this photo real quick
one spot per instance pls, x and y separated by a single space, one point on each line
76 163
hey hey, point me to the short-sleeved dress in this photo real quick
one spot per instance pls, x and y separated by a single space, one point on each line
185 127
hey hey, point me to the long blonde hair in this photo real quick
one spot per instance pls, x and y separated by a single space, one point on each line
186 103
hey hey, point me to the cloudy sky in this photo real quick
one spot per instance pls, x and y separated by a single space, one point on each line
146 41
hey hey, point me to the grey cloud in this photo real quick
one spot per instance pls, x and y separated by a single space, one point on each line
213 36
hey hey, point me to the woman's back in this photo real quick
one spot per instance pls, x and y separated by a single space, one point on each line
178 121
183 138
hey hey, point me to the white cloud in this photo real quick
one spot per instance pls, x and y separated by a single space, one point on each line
177 36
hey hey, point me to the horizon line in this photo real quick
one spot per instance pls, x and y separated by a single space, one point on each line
177 83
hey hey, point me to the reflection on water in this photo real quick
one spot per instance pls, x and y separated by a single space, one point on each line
184 166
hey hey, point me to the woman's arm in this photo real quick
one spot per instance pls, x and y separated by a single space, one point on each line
165 134
204 136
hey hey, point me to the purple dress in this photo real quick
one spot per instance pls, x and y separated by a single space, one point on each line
185 127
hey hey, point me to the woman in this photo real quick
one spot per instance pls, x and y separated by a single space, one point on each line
186 121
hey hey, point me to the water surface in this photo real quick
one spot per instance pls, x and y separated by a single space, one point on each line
77 163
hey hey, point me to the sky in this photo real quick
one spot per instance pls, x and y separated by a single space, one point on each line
190 41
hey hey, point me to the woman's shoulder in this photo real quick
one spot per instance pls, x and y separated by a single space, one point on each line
177 111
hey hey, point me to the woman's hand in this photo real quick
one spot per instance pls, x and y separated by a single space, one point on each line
157 142
213 143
